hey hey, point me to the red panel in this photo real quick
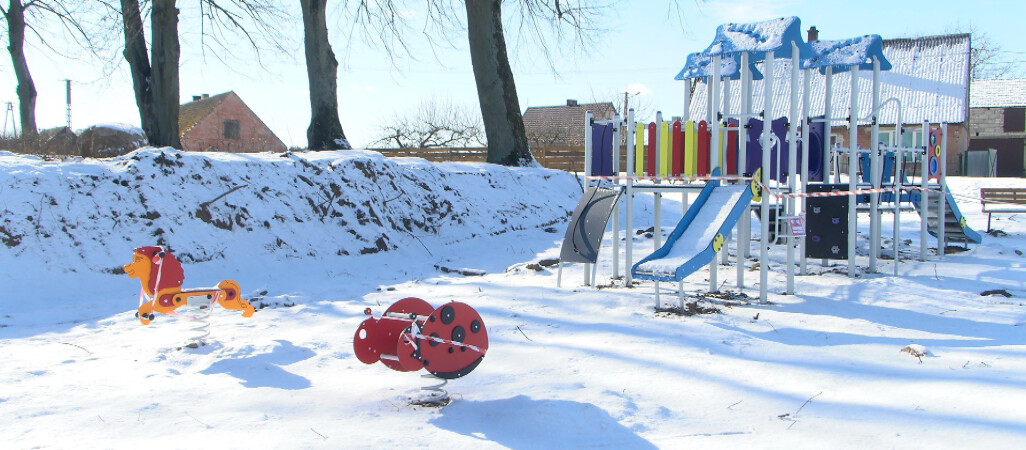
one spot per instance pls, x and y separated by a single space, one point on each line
703 148
388 335
677 165
651 150
732 151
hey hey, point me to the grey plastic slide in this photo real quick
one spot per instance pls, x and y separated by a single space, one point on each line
584 233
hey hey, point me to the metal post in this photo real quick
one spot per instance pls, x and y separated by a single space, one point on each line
744 232
765 206
714 120
589 120
853 151
714 143
899 175
628 261
924 201
942 209
616 210
806 122
828 128
744 227
875 170
792 162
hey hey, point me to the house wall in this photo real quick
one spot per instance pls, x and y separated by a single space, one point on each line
958 141
254 136
989 130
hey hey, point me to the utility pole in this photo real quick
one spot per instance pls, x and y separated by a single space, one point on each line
9 116
68 96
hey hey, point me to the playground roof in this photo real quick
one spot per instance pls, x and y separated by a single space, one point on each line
847 53
930 76
698 65
998 93
759 38
562 126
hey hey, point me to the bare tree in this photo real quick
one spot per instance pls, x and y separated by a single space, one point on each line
984 62
139 66
434 124
42 18
984 55
155 77
325 130
381 23
496 88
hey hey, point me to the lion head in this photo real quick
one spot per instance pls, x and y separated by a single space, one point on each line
155 268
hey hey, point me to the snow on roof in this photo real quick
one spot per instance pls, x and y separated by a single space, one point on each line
997 93
844 54
698 65
774 36
929 75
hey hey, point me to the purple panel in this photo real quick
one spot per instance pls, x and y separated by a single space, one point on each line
816 146
602 150
754 150
779 159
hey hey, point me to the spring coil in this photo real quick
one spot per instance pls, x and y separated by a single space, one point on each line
200 324
436 395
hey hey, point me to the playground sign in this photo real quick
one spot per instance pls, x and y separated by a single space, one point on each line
797 225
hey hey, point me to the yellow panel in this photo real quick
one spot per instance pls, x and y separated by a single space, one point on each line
639 149
690 149
723 151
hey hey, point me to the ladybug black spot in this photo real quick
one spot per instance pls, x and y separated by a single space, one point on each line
475 326
448 314
459 334
433 342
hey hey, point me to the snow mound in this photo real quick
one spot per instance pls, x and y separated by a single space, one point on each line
88 214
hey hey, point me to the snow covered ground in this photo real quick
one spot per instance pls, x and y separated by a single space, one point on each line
316 238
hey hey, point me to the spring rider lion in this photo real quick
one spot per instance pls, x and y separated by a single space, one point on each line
161 277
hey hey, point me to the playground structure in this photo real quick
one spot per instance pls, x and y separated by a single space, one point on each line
161 276
731 156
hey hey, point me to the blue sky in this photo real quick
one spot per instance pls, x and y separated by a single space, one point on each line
641 51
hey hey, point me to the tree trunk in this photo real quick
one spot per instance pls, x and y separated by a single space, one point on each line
496 91
26 88
139 64
164 55
325 131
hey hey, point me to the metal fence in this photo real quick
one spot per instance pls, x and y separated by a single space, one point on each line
570 159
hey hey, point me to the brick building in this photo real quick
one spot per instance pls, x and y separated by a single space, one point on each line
997 117
224 123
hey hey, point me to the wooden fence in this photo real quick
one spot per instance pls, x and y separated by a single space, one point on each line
570 159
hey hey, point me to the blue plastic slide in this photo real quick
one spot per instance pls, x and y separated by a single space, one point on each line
699 235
